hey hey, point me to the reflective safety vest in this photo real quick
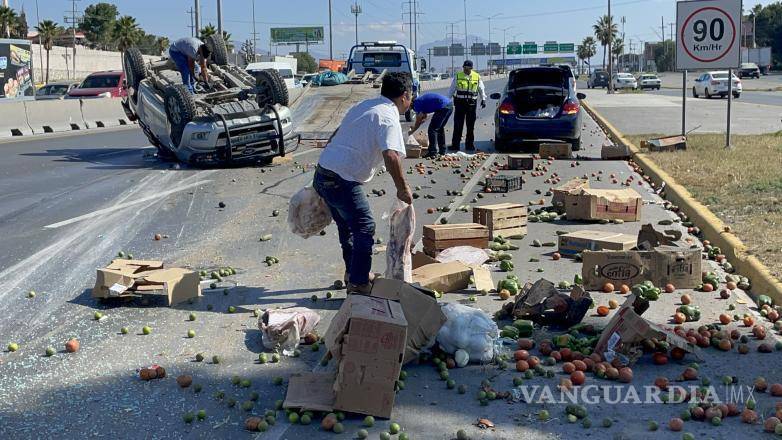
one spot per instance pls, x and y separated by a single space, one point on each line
467 85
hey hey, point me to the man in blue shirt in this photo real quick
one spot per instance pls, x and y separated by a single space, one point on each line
185 52
441 107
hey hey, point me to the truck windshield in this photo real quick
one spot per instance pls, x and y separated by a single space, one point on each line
382 59
286 73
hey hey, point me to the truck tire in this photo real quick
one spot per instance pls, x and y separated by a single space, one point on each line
180 110
500 144
216 44
271 88
575 144
133 64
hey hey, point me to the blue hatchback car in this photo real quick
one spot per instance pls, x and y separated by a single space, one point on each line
538 104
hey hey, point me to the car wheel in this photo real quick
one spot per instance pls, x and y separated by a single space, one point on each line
708 94
180 110
216 44
736 95
500 144
575 144
133 64
694 92
271 88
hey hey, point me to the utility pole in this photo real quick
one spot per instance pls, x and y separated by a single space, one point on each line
74 21
662 28
220 17
355 9
331 40
672 34
255 35
409 5
198 17
450 49
488 51
466 44
610 51
192 22
415 27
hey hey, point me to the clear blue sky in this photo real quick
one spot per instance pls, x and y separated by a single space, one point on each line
561 20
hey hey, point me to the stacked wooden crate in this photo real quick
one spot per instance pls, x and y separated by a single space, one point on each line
504 219
440 237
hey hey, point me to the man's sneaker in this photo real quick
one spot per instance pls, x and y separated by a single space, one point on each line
359 289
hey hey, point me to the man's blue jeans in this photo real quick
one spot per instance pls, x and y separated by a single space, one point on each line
180 60
436 130
355 225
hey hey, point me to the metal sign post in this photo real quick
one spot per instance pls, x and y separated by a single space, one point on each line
708 38
684 103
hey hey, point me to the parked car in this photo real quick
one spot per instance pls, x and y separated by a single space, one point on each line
284 69
625 81
649 81
55 90
445 76
749 70
106 84
425 77
598 78
715 83
538 103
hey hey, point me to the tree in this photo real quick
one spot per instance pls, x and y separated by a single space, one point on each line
7 21
664 56
207 31
20 28
605 30
617 50
126 32
47 32
305 62
228 43
98 24
768 28
162 44
590 49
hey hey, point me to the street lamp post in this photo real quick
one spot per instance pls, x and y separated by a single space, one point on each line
610 51
488 47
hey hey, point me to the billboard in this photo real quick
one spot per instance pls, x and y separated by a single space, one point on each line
440 51
297 35
16 69
478 49
494 49
457 50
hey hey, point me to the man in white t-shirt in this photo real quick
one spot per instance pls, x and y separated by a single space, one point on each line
370 135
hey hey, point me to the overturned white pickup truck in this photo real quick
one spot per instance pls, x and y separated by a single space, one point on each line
234 118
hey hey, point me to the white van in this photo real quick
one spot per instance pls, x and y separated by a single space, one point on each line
285 70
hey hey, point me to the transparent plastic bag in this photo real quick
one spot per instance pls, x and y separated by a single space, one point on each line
308 214
469 329
284 328
399 260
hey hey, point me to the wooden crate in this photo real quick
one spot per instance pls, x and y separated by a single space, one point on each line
436 238
520 162
503 219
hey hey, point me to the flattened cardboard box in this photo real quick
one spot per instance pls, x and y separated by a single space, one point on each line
367 337
132 277
626 330
661 265
579 241
424 316
443 277
614 152
604 204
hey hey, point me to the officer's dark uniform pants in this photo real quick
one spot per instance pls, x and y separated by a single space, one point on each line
464 109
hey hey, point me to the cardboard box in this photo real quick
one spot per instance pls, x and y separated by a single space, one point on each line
439 237
604 204
609 152
503 219
662 264
559 150
124 278
413 152
423 314
625 332
443 277
571 186
421 259
579 241
367 337
520 162
670 143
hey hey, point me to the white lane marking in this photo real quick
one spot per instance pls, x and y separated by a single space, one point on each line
459 200
187 214
124 205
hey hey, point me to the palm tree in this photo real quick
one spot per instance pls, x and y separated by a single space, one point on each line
581 54
126 32
590 49
47 32
228 44
617 50
207 31
605 30
7 20
162 44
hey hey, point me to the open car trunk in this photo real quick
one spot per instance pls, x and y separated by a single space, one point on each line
538 92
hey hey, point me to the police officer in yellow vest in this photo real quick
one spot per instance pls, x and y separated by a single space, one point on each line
466 88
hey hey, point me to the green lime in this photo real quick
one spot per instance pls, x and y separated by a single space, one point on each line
607 423
293 418
306 419
146 330
404 436
124 330
245 383
263 426
275 357
188 417
235 379
13 346
385 436
450 384
192 317
97 315
462 435
50 351
262 358
394 428
340 415
31 294
338 428
216 359
231 309
191 333
369 421
653 426
362 434
543 415
201 414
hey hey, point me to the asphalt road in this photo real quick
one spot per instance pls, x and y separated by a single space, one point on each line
74 202
765 98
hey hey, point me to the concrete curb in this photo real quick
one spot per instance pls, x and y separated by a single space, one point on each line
763 282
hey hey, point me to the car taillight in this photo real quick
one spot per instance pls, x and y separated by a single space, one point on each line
506 108
570 108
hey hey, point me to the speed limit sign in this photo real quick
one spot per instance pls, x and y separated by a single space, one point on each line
708 34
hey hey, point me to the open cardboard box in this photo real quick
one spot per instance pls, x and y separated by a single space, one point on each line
368 338
124 278
604 204
576 242
448 277
659 258
625 332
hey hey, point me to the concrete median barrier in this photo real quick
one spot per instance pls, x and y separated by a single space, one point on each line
13 120
54 116
103 112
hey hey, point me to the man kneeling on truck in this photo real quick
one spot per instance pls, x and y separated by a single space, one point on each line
370 134
185 53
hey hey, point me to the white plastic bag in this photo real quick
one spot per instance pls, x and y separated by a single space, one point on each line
469 255
399 260
469 329
308 214
284 327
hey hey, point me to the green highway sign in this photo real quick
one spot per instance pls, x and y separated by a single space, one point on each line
297 35
514 48
550 47
567 47
530 48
